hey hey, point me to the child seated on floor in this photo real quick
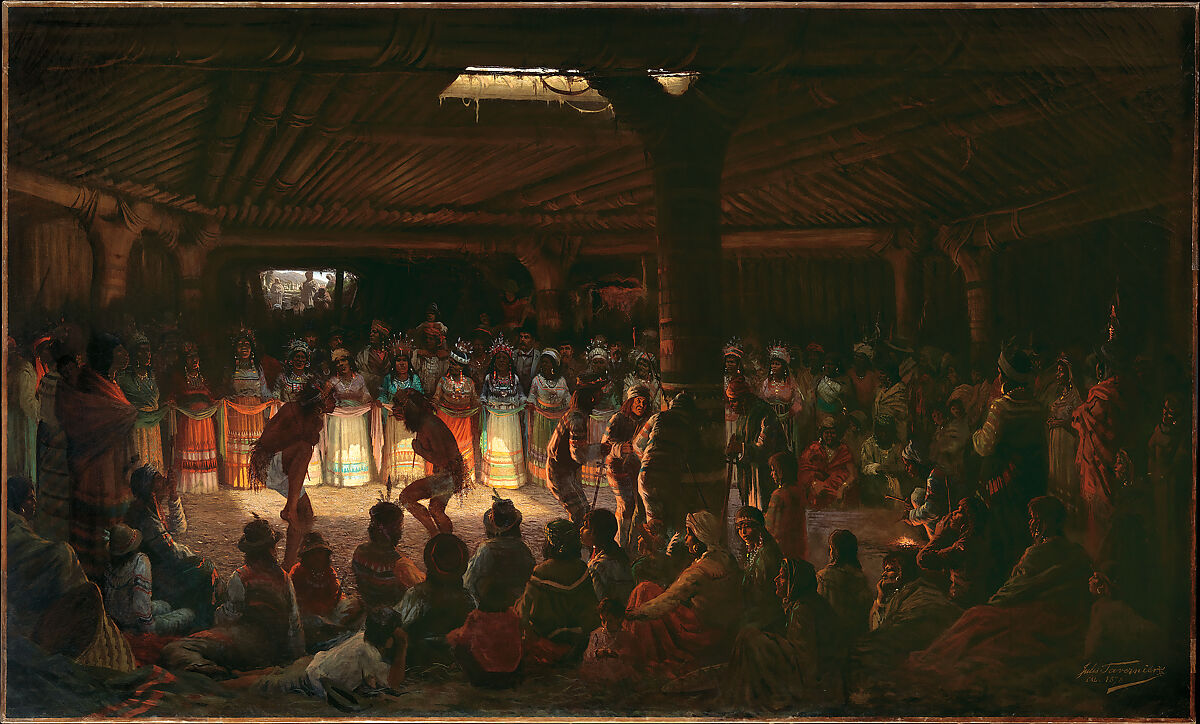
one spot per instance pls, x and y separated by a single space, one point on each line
488 645
128 592
324 611
608 653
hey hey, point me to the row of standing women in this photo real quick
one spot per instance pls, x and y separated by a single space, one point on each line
503 428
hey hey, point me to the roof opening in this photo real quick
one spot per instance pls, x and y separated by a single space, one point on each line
549 85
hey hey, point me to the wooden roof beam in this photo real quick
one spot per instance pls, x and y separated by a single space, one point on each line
866 240
742 39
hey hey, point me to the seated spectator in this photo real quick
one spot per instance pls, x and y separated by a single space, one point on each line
488 645
761 566
692 623
49 597
439 604
908 613
652 562
558 608
799 666
787 514
962 547
609 653
947 448
612 576
930 499
129 590
1116 631
827 470
324 611
181 578
373 658
503 558
1038 617
882 470
258 625
383 573
844 585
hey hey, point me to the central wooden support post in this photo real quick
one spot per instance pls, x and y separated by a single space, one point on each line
685 138
975 263
549 263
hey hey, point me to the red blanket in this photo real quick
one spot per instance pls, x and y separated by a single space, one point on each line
823 476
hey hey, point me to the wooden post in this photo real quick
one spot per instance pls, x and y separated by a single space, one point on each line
685 138
975 263
549 262
339 287
905 267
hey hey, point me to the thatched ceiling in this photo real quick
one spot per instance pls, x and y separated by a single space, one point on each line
319 121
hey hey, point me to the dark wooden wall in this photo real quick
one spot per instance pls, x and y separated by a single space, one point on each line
801 299
1059 289
49 269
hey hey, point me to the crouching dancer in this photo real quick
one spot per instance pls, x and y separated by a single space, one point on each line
280 459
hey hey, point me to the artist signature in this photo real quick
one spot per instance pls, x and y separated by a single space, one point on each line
1120 674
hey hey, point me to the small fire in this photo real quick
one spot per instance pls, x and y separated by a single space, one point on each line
904 542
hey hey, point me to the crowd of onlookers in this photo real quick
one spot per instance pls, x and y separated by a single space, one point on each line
1000 470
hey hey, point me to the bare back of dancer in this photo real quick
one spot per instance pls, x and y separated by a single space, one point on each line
281 456
433 442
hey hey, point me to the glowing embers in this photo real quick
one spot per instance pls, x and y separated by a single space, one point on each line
567 87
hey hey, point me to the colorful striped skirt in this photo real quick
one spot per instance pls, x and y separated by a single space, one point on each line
147 443
502 448
347 451
196 455
464 428
541 424
400 463
241 432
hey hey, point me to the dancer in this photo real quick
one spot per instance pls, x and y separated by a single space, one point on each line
280 458
432 441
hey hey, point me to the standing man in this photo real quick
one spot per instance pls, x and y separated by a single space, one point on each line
756 437
1103 423
307 290
569 450
280 459
375 360
1011 446
525 359
434 443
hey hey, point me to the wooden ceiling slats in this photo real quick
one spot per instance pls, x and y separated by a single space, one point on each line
413 182
469 171
181 153
97 109
576 176
145 121
262 125
137 149
306 101
865 125
236 104
335 114
355 159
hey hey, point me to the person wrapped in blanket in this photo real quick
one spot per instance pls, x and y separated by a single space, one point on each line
257 626
181 577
